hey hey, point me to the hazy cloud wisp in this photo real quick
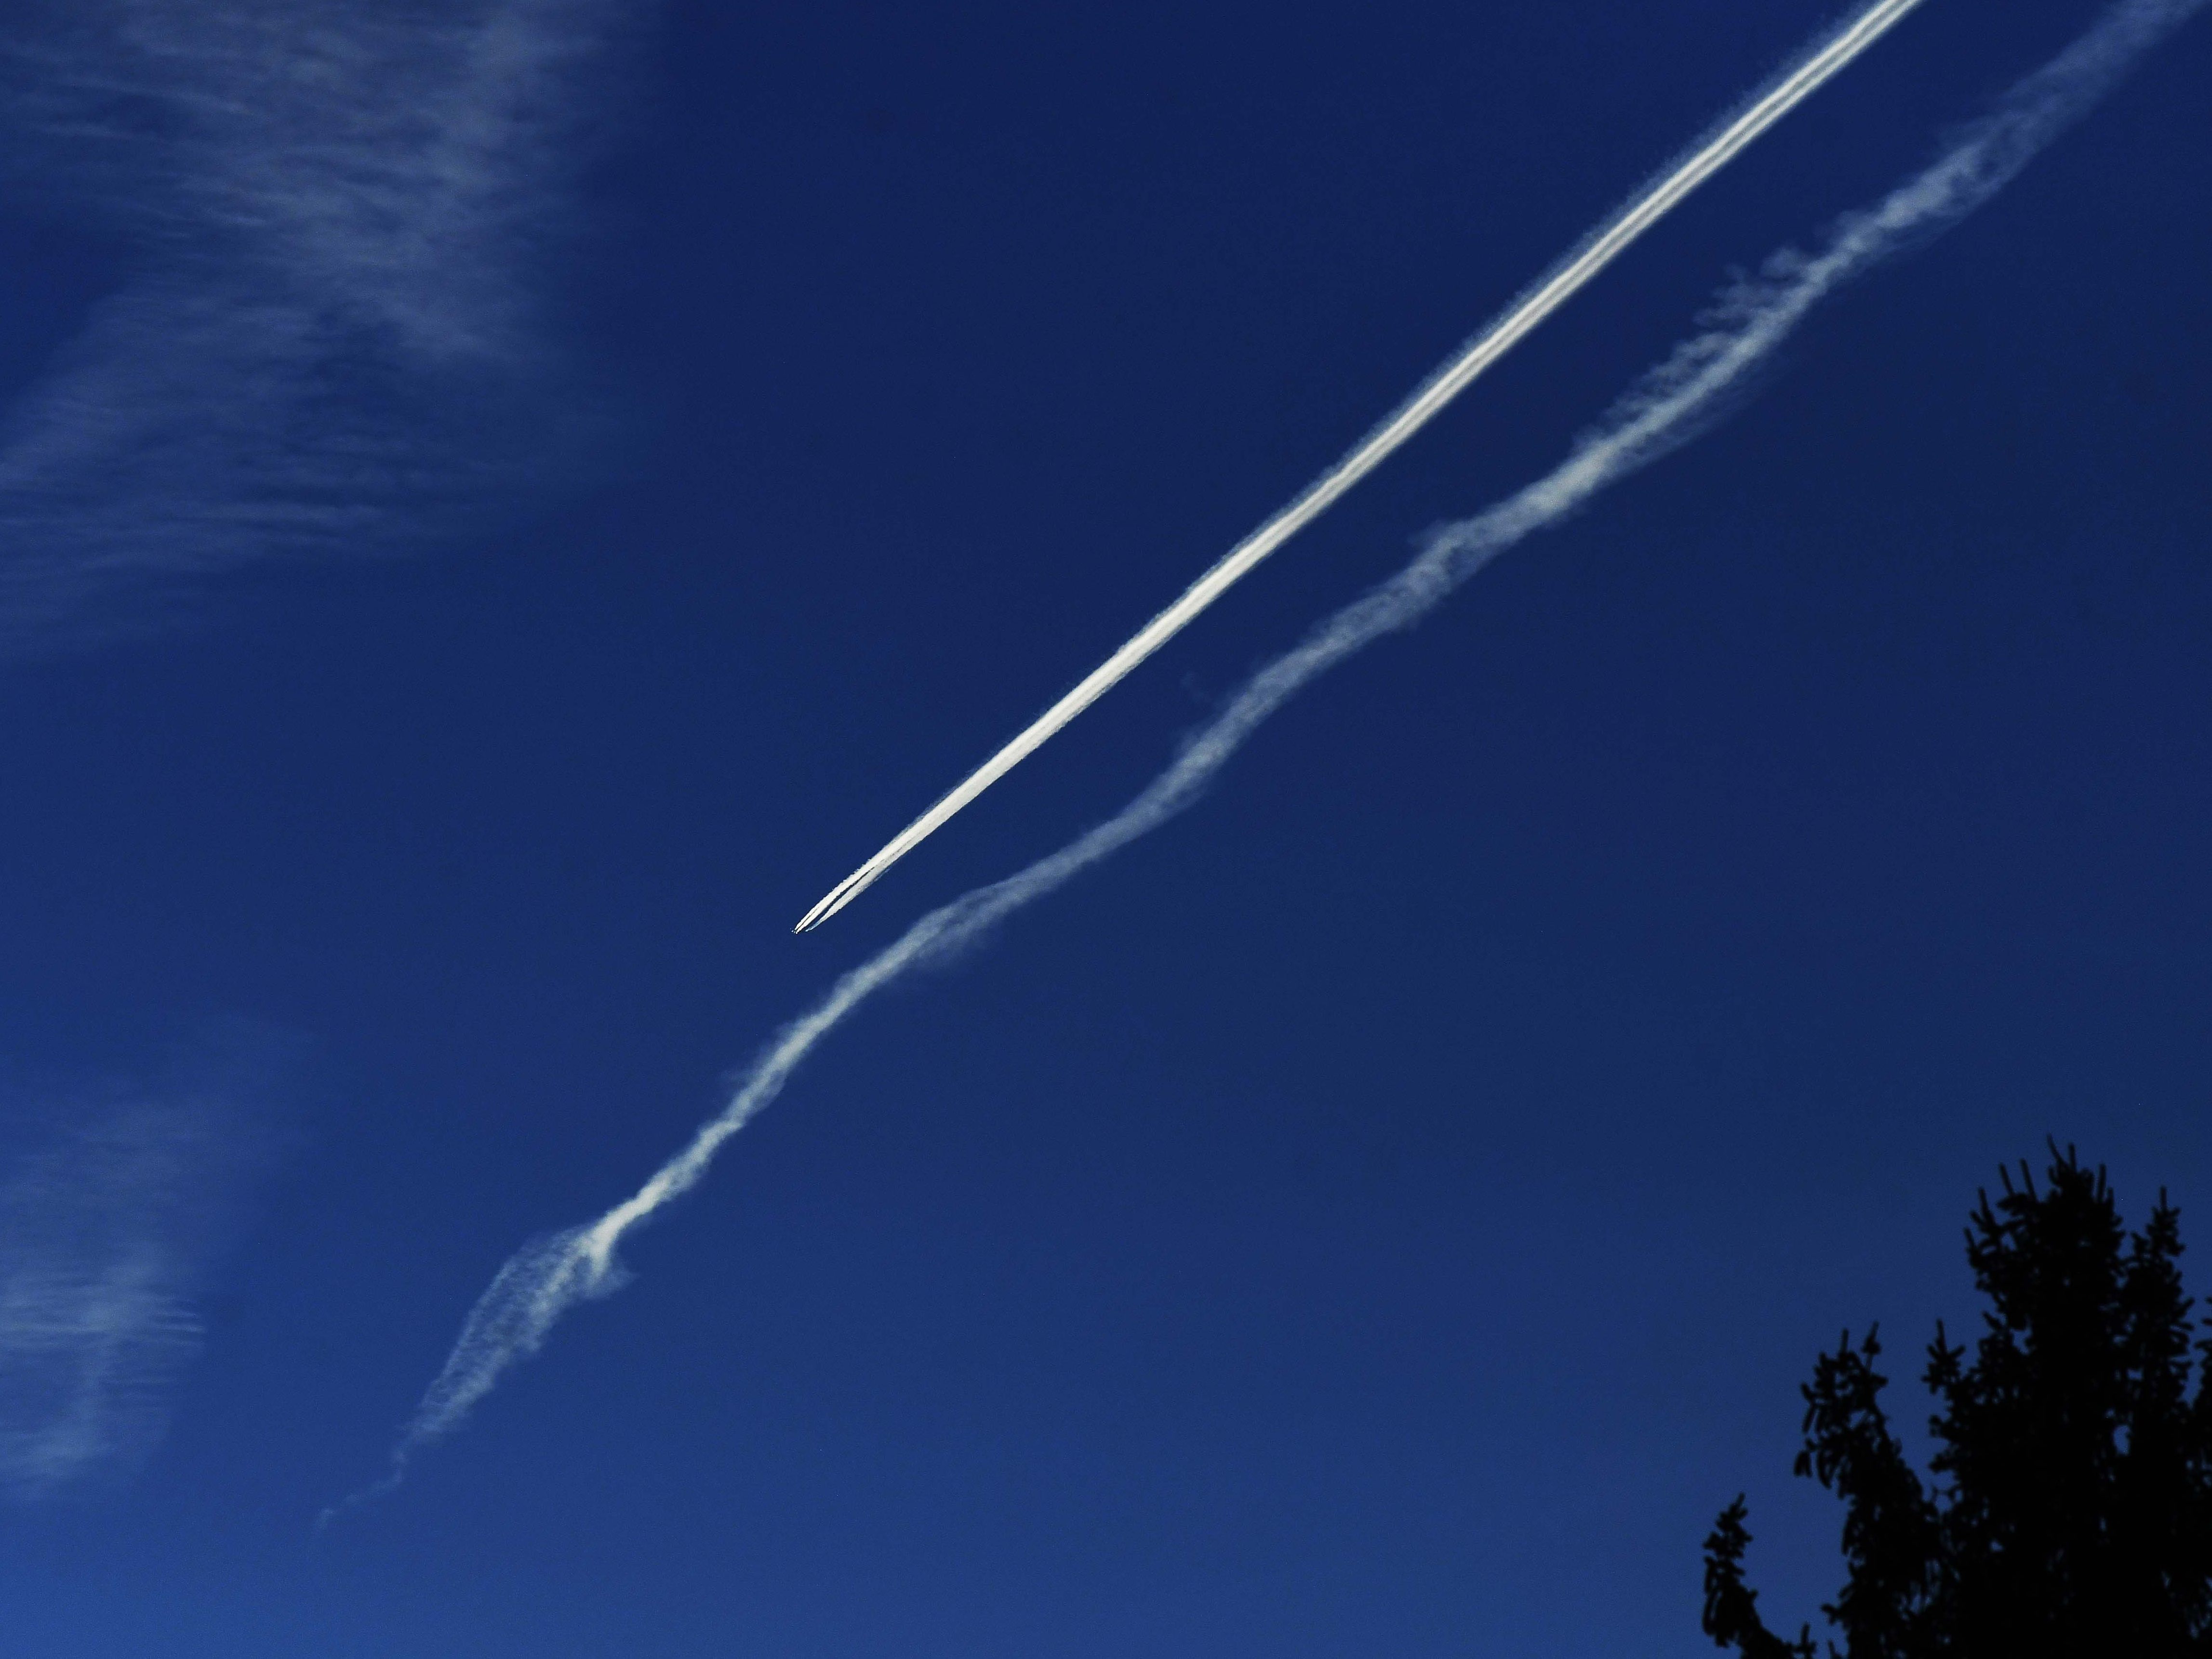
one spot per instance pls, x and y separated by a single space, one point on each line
105 1237
328 338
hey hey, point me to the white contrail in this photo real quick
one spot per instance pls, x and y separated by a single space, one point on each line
1599 250
551 1274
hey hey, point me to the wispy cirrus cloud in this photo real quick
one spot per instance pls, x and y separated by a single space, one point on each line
334 337
107 1232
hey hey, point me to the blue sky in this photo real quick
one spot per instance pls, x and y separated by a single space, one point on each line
502 506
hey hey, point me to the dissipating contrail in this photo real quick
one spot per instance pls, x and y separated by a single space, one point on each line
552 1273
1821 63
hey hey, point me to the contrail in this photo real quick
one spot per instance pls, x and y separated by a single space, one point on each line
1599 249
549 1275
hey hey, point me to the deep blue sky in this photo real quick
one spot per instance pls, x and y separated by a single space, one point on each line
1390 1210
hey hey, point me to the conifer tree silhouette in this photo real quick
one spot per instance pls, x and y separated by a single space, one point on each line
2069 1511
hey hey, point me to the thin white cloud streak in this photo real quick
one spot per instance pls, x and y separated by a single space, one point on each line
335 215
1821 63
106 1236
551 1275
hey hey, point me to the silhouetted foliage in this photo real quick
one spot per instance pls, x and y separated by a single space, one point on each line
2069 1505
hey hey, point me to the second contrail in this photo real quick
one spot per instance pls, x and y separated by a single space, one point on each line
1599 250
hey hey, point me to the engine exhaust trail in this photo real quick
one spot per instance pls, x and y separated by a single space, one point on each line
1603 246
549 1275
